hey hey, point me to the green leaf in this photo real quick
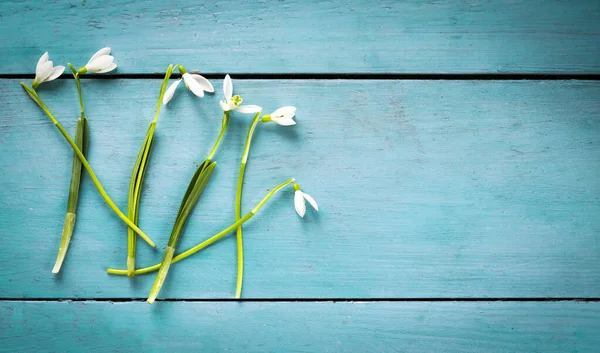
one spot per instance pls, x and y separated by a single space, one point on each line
140 167
199 170
198 184
135 192
81 140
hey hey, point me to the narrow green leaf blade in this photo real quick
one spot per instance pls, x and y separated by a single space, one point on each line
135 192
192 198
81 138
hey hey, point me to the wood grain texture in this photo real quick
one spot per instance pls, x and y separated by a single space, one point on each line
426 188
384 36
300 327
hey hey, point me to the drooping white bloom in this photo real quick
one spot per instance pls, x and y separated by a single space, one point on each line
283 116
194 82
46 71
232 102
101 62
300 199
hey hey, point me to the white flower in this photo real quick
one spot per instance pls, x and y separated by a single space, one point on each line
232 102
46 71
283 116
194 82
101 62
300 199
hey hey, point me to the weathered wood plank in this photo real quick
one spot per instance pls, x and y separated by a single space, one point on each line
300 327
384 36
426 188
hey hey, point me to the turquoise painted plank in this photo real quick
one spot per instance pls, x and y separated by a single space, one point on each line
384 36
426 188
300 327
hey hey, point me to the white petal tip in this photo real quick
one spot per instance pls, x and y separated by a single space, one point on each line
108 68
170 91
248 109
99 53
56 72
227 87
299 203
310 200
204 83
284 122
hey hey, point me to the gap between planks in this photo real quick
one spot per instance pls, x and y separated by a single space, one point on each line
307 300
338 76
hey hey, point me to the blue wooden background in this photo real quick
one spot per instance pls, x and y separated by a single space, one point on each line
456 214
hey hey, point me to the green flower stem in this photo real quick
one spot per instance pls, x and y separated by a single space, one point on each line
210 240
224 124
34 96
78 84
81 140
194 191
137 177
238 207
163 89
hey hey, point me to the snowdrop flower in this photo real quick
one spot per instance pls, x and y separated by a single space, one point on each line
194 82
100 62
46 71
232 102
283 116
300 199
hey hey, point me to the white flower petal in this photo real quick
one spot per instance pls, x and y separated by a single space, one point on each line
283 121
286 112
193 85
99 63
99 53
56 72
42 61
226 107
310 200
45 70
248 109
108 68
170 91
299 203
227 88
204 83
